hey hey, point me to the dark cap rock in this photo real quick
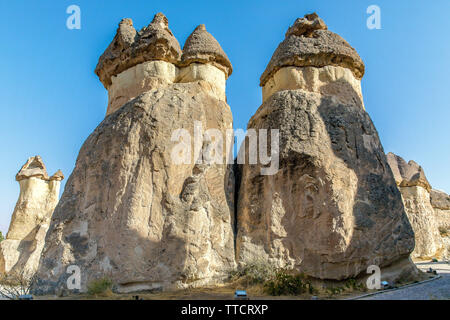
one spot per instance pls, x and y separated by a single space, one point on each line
129 48
202 47
309 43
440 200
57 176
34 167
407 174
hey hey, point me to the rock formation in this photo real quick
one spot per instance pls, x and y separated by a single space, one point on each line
39 193
129 211
426 213
440 201
333 208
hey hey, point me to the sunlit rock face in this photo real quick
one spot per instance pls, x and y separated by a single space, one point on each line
333 208
426 208
129 211
20 252
440 201
329 80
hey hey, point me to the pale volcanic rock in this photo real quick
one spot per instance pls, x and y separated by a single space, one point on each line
329 80
440 201
422 217
39 193
333 208
140 78
132 213
415 190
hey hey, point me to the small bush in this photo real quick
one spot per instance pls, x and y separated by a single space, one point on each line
444 232
15 284
354 285
335 290
285 283
254 273
100 286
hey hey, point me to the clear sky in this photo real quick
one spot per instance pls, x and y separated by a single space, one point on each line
51 100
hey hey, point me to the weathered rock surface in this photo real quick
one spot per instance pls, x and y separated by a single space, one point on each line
421 215
21 251
130 48
132 213
407 174
415 190
308 43
440 201
201 47
333 207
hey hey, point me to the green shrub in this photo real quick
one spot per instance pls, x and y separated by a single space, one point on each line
1 237
335 290
443 231
254 273
354 285
100 286
285 283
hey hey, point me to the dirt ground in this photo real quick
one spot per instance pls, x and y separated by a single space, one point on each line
437 289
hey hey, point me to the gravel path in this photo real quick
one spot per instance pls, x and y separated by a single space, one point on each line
434 290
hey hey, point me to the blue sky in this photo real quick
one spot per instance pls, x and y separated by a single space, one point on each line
51 100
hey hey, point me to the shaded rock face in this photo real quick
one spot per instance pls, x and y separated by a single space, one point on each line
333 207
21 251
415 190
130 212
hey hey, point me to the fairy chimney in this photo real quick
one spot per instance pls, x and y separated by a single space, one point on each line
31 217
136 62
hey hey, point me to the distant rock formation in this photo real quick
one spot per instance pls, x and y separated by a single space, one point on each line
440 201
333 208
39 193
128 210
427 209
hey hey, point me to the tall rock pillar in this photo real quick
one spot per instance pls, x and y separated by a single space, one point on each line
415 190
39 194
144 206
332 208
